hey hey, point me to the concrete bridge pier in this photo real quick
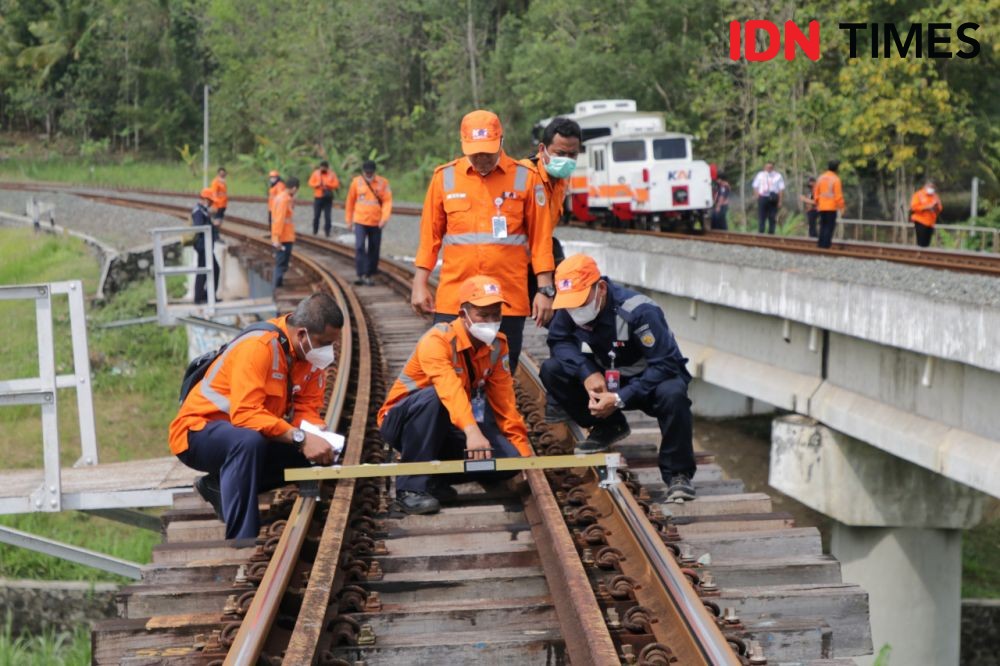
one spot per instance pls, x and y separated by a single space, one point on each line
897 533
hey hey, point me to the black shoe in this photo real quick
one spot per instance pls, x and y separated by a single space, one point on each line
442 492
604 434
360 281
417 503
208 487
680 489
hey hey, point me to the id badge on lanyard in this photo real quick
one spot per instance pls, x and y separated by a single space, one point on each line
499 221
479 403
612 377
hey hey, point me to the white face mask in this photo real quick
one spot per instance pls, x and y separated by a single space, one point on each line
485 331
584 314
930 190
320 357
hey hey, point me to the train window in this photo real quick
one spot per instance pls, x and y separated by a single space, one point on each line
629 151
593 133
670 149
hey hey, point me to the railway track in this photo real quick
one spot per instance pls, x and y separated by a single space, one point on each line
550 569
961 261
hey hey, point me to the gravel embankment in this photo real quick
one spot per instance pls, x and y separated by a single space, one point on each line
124 229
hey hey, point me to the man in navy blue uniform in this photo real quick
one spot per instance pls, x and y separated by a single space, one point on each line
200 217
612 350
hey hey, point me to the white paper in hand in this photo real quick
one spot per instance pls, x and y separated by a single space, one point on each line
335 441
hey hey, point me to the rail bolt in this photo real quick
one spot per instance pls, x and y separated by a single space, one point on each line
241 575
587 558
613 621
379 548
628 656
374 571
687 554
757 657
602 593
373 603
367 635
708 582
730 616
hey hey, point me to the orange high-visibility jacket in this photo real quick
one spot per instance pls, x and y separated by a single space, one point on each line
555 190
319 180
220 195
827 192
248 386
458 217
282 227
272 194
362 206
921 201
439 361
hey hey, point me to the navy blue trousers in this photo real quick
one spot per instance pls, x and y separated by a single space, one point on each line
827 225
512 327
247 464
281 259
420 428
367 242
322 205
668 403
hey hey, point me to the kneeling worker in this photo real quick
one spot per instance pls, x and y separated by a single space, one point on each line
612 350
242 422
455 397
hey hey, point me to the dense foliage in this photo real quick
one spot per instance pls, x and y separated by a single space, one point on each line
344 79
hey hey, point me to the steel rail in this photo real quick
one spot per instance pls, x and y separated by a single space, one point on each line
585 631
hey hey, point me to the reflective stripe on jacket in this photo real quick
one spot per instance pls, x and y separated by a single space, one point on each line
439 361
319 180
361 205
458 222
282 227
248 386
827 192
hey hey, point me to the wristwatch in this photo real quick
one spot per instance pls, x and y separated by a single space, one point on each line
299 437
548 290
619 403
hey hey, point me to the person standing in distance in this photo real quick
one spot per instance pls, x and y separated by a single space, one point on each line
283 228
324 183
367 210
925 206
829 199
768 186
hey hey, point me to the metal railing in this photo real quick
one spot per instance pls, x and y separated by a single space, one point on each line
957 236
161 272
42 390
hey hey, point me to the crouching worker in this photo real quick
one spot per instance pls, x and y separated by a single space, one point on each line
242 422
455 398
611 350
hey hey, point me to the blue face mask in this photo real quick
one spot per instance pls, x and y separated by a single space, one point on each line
559 167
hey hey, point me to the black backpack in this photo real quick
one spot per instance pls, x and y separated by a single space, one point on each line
198 367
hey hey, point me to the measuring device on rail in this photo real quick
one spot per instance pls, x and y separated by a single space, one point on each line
609 463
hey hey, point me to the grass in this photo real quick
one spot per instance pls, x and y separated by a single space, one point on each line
47 649
135 370
175 175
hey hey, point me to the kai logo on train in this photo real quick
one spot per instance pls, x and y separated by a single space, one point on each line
760 40
680 174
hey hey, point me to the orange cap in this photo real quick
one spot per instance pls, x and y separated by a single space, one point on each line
574 278
207 193
481 132
481 290
274 173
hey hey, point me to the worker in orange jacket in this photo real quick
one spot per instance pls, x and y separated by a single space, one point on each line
324 183
283 228
367 210
555 161
490 216
274 185
925 206
455 397
220 194
829 199
242 423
